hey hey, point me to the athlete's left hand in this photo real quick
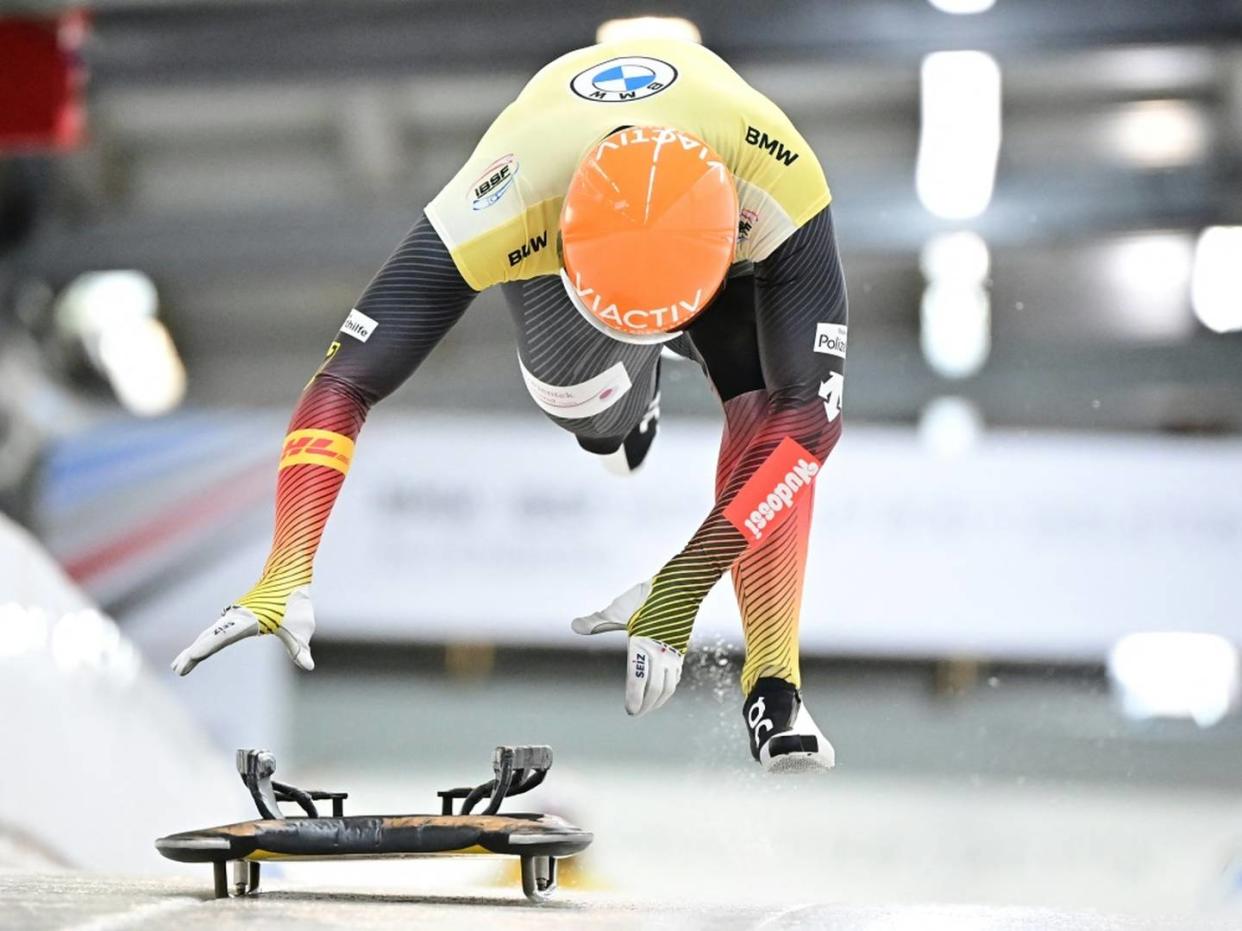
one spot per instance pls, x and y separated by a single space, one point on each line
652 668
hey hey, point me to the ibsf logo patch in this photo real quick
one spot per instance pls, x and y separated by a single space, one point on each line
620 80
830 338
494 182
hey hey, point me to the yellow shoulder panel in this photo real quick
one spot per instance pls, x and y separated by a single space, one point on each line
499 215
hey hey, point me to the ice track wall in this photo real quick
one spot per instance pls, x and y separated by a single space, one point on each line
96 757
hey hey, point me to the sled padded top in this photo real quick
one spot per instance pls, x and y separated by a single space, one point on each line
378 836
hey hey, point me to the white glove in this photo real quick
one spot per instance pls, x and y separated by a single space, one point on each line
652 669
238 623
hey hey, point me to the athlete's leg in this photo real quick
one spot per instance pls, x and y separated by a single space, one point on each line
800 309
768 579
603 391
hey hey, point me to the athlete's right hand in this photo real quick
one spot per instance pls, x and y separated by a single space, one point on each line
653 669
237 623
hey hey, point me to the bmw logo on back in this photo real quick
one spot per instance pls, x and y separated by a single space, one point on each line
619 80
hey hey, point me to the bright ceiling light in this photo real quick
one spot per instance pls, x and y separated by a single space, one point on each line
114 316
961 132
143 367
955 328
648 27
1176 675
963 6
1216 281
950 427
955 317
1160 133
961 256
96 300
1150 278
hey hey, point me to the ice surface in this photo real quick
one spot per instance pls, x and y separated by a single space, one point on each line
69 901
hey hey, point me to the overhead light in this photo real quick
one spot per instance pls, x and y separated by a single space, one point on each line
1150 275
955 317
1216 281
143 367
113 315
1176 675
950 427
1160 133
648 27
96 300
961 132
963 6
961 256
1137 69
955 328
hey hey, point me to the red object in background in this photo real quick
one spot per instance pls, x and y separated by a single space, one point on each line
42 79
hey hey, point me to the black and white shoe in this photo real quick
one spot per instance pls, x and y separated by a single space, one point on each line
634 448
783 738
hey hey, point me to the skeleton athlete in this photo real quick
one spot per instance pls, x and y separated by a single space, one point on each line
636 195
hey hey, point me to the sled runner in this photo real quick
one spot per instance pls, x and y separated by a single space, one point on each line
537 839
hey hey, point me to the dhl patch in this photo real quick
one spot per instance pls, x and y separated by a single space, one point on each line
317 447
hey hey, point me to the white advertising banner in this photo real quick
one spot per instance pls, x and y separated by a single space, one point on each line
1027 547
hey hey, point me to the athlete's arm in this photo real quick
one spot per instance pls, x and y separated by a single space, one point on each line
800 300
404 312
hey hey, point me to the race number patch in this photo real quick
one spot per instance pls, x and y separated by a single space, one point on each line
769 496
620 80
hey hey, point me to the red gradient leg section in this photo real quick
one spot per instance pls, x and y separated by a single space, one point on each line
767 580
681 585
743 418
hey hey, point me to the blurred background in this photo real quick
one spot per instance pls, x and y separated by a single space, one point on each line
1022 620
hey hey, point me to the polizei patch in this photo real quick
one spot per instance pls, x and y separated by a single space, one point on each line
619 80
830 338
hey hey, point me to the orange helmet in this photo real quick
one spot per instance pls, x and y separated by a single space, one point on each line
648 231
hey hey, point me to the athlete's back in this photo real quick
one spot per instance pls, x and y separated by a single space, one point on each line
499 215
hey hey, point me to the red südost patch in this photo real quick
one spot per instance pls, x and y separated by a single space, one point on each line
768 497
